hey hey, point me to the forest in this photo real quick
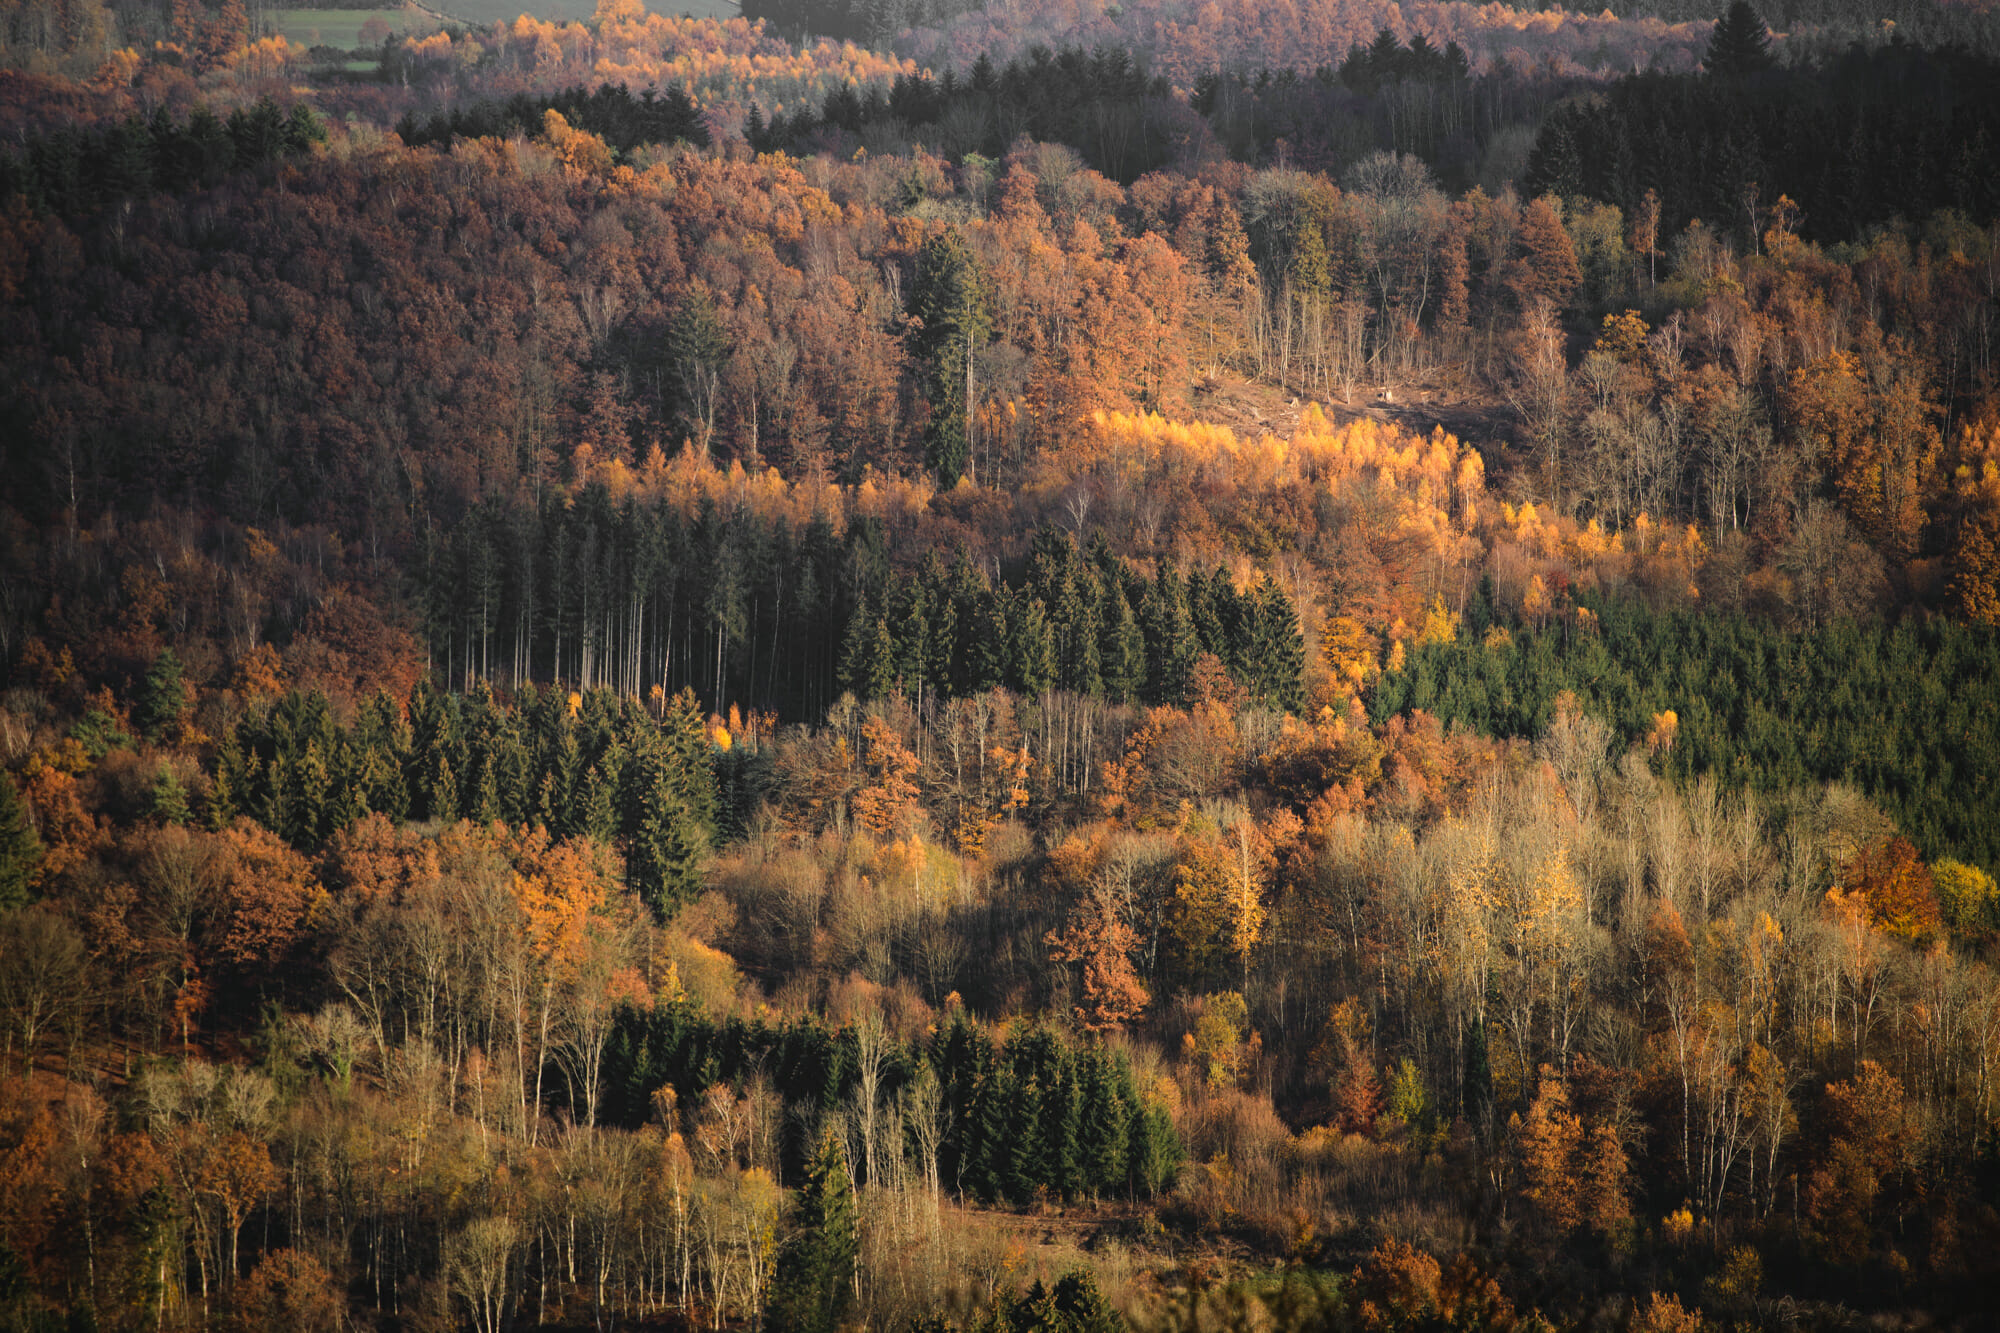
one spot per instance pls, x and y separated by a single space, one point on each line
1028 666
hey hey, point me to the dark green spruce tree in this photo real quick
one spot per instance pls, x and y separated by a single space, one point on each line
813 1287
1171 644
669 808
951 322
1740 45
163 697
1121 648
1277 652
20 848
696 351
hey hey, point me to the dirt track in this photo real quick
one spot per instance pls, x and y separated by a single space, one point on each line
1250 408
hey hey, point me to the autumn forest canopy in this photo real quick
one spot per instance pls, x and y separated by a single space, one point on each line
918 666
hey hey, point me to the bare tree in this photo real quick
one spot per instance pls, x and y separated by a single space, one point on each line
44 979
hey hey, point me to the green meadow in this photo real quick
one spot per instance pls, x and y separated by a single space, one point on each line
342 27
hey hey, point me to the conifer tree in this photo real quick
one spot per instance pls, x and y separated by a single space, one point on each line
225 787
1024 1160
1156 1150
1740 45
167 802
1122 648
960 1055
814 1283
1219 622
1103 1142
1478 1095
1277 653
20 847
441 790
968 597
868 658
1171 646
988 658
696 349
303 794
597 810
910 630
383 742
1555 166
663 856
432 776
948 301
1032 661
692 759
163 698
669 807
855 646
1062 1131
1082 1307
984 1158
484 805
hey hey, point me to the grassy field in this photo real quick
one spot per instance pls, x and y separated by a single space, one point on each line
484 12
342 27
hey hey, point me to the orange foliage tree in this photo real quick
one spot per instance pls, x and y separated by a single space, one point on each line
1870 1142
1100 943
1897 886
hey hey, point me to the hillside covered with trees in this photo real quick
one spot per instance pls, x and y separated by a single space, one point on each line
1013 667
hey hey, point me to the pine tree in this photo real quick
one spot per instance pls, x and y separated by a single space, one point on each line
1555 165
1122 648
813 1286
20 848
1171 647
1156 1150
911 634
442 791
1204 601
484 806
948 301
163 697
1062 1131
668 808
855 647
940 652
962 1056
868 658
431 776
1025 1161
1032 661
167 802
1478 1096
984 1152
1276 659
383 741
1103 1140
968 595
303 792
988 661
697 347
692 759
663 857
1082 1307
226 786
1740 45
